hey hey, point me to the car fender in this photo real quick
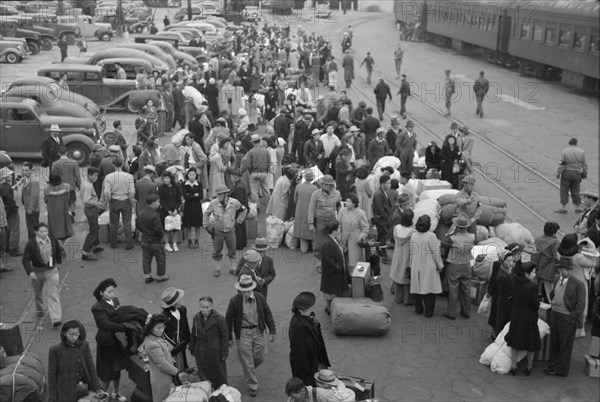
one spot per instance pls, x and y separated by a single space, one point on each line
102 31
11 49
139 97
77 137
67 32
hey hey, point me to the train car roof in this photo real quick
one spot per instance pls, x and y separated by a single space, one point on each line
582 8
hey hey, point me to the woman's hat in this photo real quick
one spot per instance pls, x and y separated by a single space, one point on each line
242 111
587 248
327 379
403 199
327 179
260 244
245 283
54 179
461 221
251 256
171 296
305 300
222 189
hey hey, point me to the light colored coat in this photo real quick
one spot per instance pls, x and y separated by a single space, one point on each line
365 196
302 196
161 365
217 174
401 257
278 203
426 264
353 225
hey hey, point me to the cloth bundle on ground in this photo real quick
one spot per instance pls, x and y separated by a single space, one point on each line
275 229
497 354
23 379
290 241
514 233
132 339
229 393
317 174
483 233
386 161
359 317
197 392
437 194
427 207
104 219
483 257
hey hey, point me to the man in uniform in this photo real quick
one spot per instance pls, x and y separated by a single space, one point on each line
449 89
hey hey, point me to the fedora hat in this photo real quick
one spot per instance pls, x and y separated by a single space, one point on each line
327 179
255 137
309 175
222 189
589 193
410 123
304 300
245 283
468 179
260 244
149 168
242 111
353 129
251 256
327 379
461 221
54 128
171 296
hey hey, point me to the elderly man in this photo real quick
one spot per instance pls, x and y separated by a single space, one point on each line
258 265
220 217
322 209
119 194
571 171
468 203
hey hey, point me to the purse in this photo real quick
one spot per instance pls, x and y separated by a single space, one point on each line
456 167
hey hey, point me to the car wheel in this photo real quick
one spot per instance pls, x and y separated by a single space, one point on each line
34 48
131 108
70 39
79 152
12 58
46 44
105 37
139 29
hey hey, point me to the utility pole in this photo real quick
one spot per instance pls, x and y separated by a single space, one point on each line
119 19
189 7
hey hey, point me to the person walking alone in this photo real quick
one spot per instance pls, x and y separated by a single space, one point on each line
398 56
63 46
381 91
369 62
571 170
404 93
481 88
150 226
449 90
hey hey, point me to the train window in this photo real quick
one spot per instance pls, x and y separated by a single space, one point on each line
594 43
538 33
564 38
525 30
550 36
579 41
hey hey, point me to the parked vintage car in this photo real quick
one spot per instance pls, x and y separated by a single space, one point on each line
24 125
12 51
177 54
204 8
9 27
68 30
88 27
151 50
94 58
90 81
47 34
129 64
145 38
182 38
251 13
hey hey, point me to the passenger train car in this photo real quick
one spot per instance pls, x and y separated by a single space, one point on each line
548 39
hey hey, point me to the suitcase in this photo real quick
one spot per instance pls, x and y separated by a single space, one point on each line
139 373
360 277
478 290
139 396
364 389
10 339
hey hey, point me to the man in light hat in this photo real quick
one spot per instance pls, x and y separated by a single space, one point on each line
378 148
248 317
150 226
144 187
459 244
51 145
322 209
449 90
257 163
590 211
13 229
406 146
258 265
468 203
220 218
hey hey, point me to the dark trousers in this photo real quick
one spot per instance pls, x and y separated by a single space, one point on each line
63 55
570 181
427 301
31 220
479 110
92 239
380 108
154 250
403 99
562 328
178 117
13 232
459 289
123 209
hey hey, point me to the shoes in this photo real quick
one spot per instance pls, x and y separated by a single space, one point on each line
467 316
196 243
190 243
168 248
162 279
448 316
513 371
6 269
578 210
129 247
217 273
149 280
175 247
550 371
252 393
118 397
393 289
528 371
97 249
56 324
89 257
560 211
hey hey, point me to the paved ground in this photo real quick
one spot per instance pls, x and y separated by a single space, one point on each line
419 359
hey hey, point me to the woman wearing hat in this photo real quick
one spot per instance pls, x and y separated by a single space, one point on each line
209 344
354 228
192 207
158 351
308 353
177 327
56 196
499 290
335 277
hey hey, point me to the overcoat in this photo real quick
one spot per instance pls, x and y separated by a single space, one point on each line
210 348
425 264
307 348
334 277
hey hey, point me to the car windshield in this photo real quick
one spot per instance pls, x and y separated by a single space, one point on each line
37 109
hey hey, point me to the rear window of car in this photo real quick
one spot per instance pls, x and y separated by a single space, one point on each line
91 76
18 114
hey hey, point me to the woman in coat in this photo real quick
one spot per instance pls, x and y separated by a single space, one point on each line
432 157
547 246
110 358
280 198
209 343
170 204
500 291
523 333
364 191
69 363
56 196
212 96
308 353
218 167
450 155
177 327
302 196
401 258
426 264
192 208
354 227
158 351
334 277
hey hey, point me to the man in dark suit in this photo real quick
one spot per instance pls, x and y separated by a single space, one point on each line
382 213
369 126
568 302
50 146
406 146
259 266
68 169
178 106
281 125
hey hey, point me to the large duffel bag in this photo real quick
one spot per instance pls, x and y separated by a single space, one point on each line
427 207
492 202
363 389
197 392
23 379
514 233
359 317
437 194
491 216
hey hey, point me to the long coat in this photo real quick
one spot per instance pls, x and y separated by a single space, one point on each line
400 259
500 291
307 348
240 193
447 158
348 64
210 348
108 348
334 277
302 198
382 207
50 150
162 369
365 196
279 200
353 224
177 332
57 200
523 333
426 263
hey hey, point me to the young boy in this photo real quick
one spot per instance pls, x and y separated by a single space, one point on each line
90 208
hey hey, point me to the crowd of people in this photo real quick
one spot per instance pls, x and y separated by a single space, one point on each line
207 176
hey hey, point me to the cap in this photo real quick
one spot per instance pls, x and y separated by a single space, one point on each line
114 148
255 137
149 168
353 129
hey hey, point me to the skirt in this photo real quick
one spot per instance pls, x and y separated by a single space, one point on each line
109 362
192 214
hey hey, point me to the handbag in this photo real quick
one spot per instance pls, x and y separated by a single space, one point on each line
485 306
172 222
456 167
